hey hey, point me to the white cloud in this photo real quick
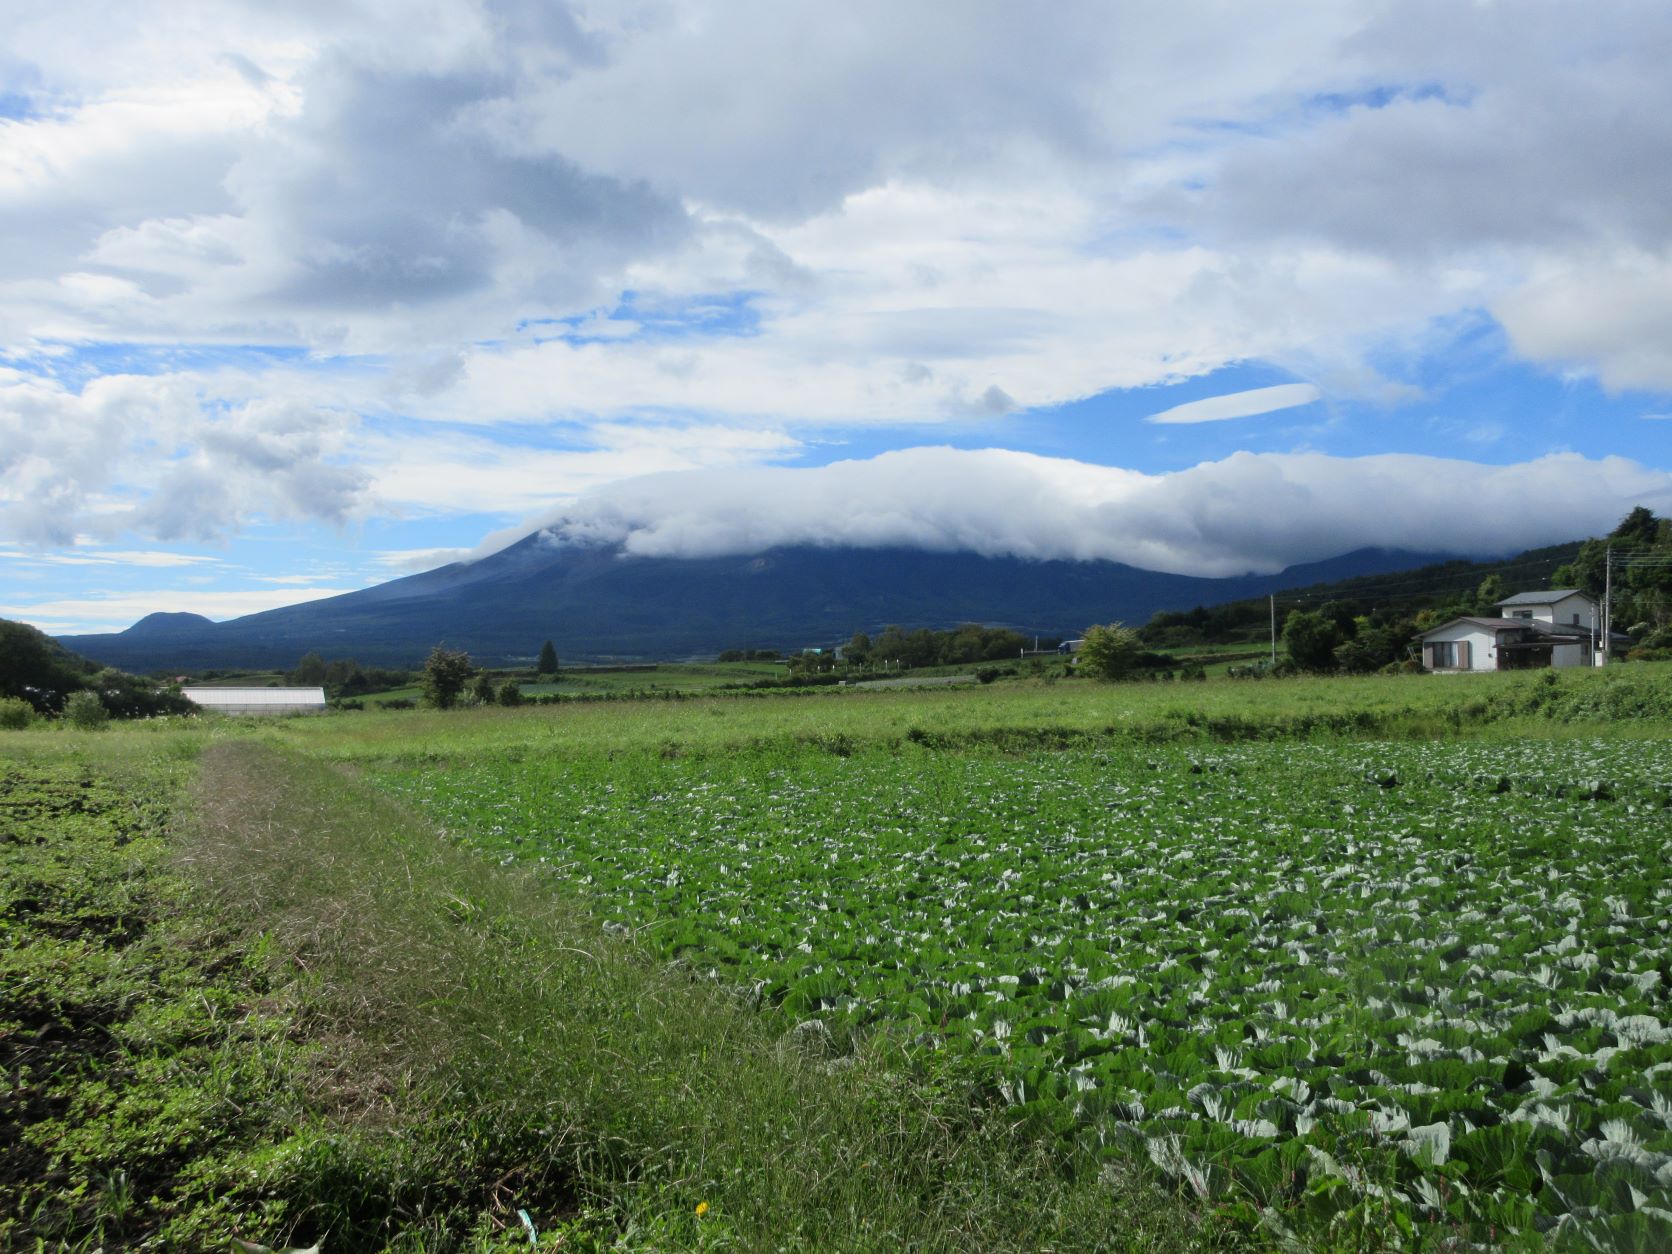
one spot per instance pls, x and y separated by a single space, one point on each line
423 472
1611 314
117 557
152 456
406 561
1247 512
1239 404
666 217
1048 209
117 611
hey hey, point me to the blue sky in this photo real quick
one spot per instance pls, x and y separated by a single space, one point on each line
295 302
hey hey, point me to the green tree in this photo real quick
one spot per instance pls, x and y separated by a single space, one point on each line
484 692
37 668
510 693
547 665
1110 651
1311 640
446 672
310 671
1490 592
84 710
858 650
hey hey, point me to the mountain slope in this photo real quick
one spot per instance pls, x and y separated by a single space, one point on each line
596 603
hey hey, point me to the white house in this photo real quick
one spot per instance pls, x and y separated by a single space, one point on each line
1503 644
258 700
1561 607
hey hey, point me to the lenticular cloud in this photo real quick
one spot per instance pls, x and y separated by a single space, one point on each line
1249 512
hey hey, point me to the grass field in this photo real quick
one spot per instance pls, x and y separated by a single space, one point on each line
1019 714
1377 963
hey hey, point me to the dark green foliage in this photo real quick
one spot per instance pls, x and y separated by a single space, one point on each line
1642 591
42 672
547 665
1110 651
922 646
1491 591
15 713
1374 648
483 690
129 696
446 672
309 672
37 669
510 693
1311 640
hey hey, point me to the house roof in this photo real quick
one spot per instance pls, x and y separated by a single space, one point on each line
1544 598
1556 631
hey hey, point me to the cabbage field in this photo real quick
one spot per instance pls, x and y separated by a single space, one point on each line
1417 987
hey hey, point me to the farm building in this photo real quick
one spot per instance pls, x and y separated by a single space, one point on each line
258 700
1533 630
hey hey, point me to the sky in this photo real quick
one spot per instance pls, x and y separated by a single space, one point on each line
298 298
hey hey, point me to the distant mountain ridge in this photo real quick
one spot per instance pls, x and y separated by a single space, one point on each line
596 603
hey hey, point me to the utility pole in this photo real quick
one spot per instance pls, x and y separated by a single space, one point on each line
1607 602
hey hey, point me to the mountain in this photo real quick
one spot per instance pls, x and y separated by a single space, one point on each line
596 603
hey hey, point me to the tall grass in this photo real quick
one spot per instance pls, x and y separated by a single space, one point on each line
531 1062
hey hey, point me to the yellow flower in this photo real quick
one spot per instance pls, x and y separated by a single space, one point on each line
702 1209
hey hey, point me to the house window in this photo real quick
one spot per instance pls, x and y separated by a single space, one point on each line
1522 614
1576 620
1448 655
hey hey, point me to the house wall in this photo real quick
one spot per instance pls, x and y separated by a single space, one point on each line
1570 655
1482 650
1561 614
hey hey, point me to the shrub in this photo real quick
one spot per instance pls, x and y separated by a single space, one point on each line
446 671
15 713
86 711
1110 651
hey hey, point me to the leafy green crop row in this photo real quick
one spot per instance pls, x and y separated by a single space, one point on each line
1422 987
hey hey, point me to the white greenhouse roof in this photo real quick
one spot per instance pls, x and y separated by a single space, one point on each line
274 698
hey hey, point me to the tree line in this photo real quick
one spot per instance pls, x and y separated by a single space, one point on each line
41 678
1345 634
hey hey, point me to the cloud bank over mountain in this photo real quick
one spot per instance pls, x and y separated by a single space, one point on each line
1246 513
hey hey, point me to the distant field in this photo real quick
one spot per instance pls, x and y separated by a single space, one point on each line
665 677
1021 713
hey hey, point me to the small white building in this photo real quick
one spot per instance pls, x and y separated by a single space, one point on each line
257 700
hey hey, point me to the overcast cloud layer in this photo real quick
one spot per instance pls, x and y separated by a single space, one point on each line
272 268
1246 513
